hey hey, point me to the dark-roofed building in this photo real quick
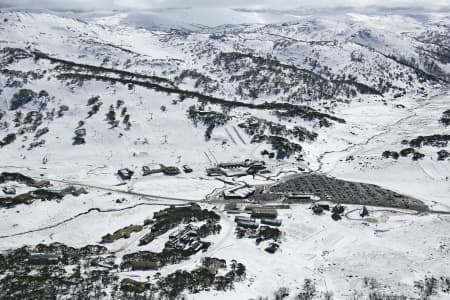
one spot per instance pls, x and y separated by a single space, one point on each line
271 222
43 259
125 174
264 213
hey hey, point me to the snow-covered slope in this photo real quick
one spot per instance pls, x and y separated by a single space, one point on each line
84 96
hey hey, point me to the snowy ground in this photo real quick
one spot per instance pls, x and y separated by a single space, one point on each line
395 248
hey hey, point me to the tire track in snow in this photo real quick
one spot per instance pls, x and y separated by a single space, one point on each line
239 135
230 136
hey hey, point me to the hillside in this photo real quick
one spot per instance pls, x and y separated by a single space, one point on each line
360 97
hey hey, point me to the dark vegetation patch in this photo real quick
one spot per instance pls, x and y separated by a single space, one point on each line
79 139
21 97
173 285
203 82
277 136
18 177
181 245
122 233
253 80
268 233
445 119
38 194
49 278
8 139
435 140
76 72
442 154
210 119
283 147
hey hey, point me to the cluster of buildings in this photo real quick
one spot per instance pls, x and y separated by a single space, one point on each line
186 239
262 225
231 169
126 174
238 192
166 170
265 215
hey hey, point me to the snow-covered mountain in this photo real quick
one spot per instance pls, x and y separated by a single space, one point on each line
345 94
305 70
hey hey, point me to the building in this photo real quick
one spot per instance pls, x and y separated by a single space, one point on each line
232 208
187 169
147 171
235 172
215 171
171 170
267 213
240 192
125 174
247 224
44 258
273 247
231 165
186 239
242 218
271 222
303 198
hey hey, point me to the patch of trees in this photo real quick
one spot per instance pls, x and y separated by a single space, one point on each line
73 66
393 154
30 122
435 140
211 119
259 126
36 144
202 81
299 110
78 139
445 119
61 110
416 155
267 233
43 272
20 178
173 285
11 55
200 279
8 139
430 286
270 76
95 104
21 97
281 145
17 79
111 117
122 233
40 132
208 118
443 154
38 194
